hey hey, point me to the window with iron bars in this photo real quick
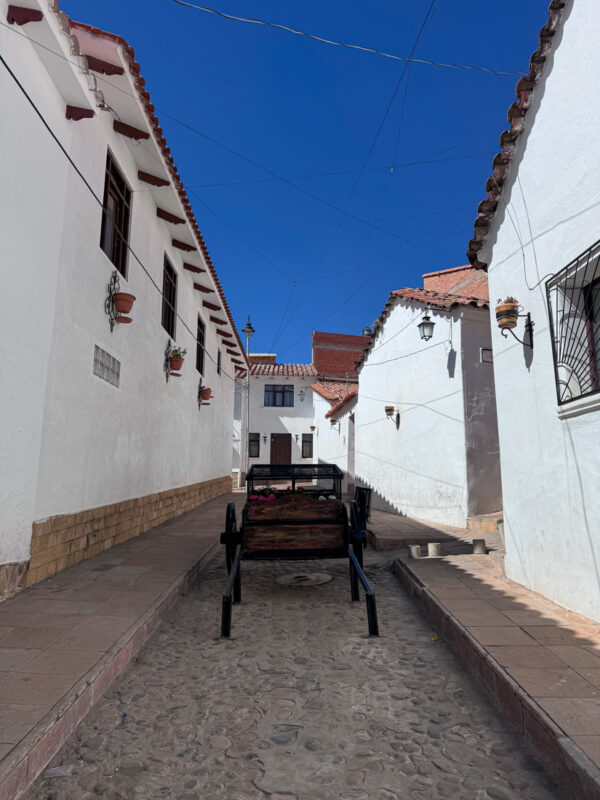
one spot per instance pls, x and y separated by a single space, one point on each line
574 308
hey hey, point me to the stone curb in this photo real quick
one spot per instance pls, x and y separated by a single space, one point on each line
577 774
23 764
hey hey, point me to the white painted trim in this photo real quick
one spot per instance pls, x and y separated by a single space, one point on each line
581 406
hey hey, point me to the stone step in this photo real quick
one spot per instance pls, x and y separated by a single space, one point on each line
485 523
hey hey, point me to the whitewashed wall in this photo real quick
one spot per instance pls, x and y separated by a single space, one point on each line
295 420
333 443
75 441
550 465
437 465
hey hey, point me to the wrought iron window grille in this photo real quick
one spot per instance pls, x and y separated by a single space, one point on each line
573 296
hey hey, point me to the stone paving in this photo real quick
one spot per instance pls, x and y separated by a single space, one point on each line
298 705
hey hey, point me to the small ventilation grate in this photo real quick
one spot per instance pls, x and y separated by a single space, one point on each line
106 367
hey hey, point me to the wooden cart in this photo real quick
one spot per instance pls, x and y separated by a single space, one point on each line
294 511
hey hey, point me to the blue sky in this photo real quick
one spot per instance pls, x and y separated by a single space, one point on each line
302 109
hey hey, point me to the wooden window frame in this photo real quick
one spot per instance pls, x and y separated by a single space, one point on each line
114 233
169 298
307 445
218 362
254 445
200 344
276 395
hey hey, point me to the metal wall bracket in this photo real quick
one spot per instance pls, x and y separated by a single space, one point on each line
527 340
167 364
109 304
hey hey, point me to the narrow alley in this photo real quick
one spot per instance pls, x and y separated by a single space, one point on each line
298 704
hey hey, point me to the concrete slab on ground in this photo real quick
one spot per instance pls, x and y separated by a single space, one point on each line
63 641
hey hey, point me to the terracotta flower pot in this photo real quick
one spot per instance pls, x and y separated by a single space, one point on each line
206 393
389 411
123 302
176 363
507 315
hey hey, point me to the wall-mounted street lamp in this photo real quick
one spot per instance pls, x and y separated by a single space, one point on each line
296 436
426 326
264 438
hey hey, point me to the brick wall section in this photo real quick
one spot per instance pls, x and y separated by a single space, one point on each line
465 281
62 541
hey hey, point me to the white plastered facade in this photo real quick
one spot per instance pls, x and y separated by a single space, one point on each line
549 214
72 441
436 457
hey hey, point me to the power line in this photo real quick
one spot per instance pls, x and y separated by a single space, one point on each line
210 139
409 59
100 203
239 235
405 71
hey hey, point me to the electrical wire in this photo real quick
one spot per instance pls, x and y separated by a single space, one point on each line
208 138
409 60
100 203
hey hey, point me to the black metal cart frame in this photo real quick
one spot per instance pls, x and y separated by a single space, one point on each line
351 547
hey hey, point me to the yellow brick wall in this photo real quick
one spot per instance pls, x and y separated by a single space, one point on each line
59 542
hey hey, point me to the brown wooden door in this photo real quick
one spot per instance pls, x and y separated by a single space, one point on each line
281 448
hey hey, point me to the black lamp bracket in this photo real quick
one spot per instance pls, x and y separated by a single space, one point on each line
528 332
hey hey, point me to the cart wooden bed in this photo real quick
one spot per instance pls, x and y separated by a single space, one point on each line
303 519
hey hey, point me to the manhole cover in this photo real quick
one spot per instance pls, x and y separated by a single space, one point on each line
304 579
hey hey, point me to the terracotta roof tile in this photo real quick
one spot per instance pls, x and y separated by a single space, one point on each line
283 370
341 403
508 139
332 391
439 299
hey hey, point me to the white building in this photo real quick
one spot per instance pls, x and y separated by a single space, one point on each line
281 418
97 444
537 234
425 429
334 421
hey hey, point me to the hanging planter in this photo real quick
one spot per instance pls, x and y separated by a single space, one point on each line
389 411
206 393
123 302
507 313
176 358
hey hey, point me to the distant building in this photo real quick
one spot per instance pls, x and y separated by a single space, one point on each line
426 432
97 444
290 403
537 234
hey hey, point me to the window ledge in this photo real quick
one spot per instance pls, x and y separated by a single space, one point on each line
582 406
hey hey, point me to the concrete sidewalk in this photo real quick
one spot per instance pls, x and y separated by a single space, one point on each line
63 641
540 662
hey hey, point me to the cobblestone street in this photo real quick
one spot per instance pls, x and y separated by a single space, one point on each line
298 704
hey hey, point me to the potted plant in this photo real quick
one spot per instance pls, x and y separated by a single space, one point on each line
123 302
389 411
176 358
206 393
507 313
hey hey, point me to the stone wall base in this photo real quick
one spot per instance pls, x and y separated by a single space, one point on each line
12 579
62 541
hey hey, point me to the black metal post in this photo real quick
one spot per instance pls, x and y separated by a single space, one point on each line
372 615
353 582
